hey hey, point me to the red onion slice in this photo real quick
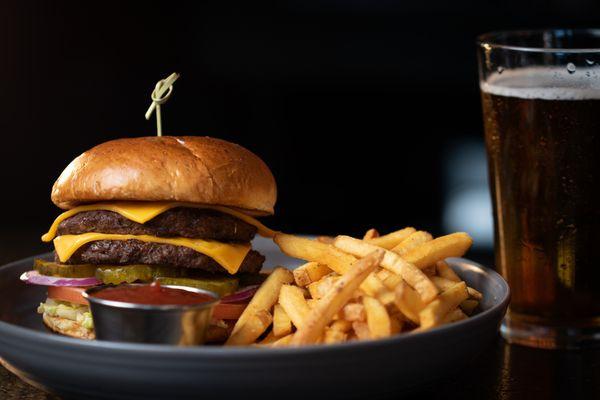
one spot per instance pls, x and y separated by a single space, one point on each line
241 296
35 278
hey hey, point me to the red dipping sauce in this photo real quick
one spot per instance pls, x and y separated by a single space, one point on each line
153 294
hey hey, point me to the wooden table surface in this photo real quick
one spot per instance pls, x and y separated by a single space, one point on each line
502 372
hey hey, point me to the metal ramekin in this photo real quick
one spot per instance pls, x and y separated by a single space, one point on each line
182 325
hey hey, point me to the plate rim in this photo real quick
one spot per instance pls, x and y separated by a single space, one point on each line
253 352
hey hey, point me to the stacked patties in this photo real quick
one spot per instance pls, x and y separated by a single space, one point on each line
177 209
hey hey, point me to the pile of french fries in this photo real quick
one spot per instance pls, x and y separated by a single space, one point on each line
358 289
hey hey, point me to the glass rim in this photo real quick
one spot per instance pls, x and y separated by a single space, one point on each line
489 40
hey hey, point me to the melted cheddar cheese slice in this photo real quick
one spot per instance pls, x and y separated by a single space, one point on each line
229 256
142 212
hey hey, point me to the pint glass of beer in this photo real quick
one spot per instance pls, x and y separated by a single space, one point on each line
541 108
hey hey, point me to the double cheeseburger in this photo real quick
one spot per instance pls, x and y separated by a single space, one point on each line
179 210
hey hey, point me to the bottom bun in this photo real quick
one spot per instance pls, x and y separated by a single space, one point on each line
68 327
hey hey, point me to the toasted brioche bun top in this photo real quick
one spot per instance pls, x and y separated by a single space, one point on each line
168 168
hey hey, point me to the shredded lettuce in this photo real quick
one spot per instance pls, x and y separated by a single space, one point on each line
70 311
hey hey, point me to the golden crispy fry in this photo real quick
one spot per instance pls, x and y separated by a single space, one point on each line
412 241
409 302
341 325
311 303
373 286
444 271
474 294
325 239
361 330
378 318
312 250
320 288
266 296
371 234
324 254
435 312
310 272
453 245
383 274
392 262
455 315
254 326
469 305
291 299
391 239
282 324
354 312
445 284
334 336
282 341
343 289
392 281
269 339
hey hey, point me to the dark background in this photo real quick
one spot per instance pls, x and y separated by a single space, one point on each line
359 107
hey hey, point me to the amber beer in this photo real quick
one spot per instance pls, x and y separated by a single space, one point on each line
543 143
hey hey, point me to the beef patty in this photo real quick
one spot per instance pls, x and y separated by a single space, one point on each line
124 252
195 223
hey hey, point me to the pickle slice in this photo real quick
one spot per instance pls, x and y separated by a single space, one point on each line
223 285
115 275
51 268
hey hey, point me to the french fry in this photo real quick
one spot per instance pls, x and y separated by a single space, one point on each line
435 312
409 302
320 316
266 296
392 262
469 305
371 234
453 245
334 336
412 241
445 271
309 273
392 281
383 274
320 288
361 330
253 327
269 339
282 324
391 239
282 341
324 254
474 294
455 315
312 250
216 334
311 303
341 325
378 318
291 299
325 239
445 284
354 312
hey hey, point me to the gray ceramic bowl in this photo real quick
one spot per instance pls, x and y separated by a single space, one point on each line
109 370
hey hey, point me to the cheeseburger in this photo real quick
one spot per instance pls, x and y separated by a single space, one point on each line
179 210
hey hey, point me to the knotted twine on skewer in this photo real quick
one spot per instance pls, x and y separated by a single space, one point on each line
161 93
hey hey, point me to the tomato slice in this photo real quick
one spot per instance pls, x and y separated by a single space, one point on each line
74 295
228 311
66 293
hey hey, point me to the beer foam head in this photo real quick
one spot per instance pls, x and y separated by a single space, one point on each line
545 83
